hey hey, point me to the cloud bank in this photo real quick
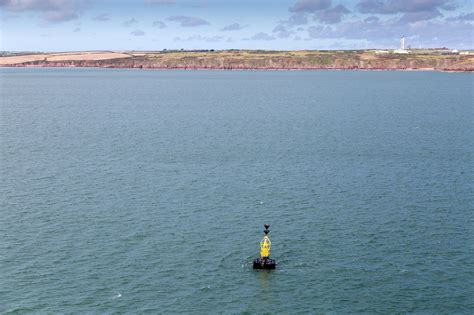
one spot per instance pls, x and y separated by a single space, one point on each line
188 21
52 11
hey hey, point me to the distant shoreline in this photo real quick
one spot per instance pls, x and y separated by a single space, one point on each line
235 69
367 60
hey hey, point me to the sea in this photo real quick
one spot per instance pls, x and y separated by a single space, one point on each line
146 191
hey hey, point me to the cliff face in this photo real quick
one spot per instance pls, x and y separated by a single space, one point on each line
264 60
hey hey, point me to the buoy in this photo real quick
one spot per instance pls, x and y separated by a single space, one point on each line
264 262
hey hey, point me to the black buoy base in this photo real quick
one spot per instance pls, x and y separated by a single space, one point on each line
264 263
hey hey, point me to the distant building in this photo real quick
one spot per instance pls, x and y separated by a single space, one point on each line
402 49
381 51
465 53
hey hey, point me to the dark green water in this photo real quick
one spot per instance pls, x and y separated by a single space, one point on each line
146 191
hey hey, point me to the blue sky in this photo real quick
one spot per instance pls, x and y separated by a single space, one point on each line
65 25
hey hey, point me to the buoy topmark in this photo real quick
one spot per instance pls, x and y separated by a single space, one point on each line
264 262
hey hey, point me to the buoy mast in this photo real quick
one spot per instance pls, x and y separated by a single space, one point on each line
265 243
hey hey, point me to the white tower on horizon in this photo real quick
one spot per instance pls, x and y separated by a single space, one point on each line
402 49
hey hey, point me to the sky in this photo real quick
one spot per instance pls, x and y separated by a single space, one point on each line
69 25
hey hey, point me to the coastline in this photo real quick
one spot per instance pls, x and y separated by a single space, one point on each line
234 69
223 69
246 60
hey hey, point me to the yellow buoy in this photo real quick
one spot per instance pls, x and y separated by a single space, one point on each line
264 262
